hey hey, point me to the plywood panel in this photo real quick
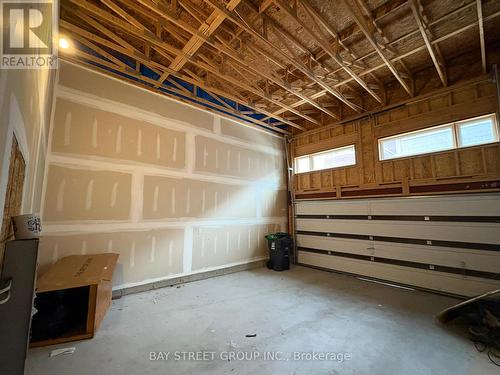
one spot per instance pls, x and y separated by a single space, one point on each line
477 164
471 161
13 194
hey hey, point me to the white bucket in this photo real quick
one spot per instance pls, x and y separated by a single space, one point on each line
27 227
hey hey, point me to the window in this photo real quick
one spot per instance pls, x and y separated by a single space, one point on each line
472 132
337 157
477 131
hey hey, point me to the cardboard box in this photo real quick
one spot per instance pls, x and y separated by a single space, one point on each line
72 298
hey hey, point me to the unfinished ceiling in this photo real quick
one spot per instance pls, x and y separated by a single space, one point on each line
289 66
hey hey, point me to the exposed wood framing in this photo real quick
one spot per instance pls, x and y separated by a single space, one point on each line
411 52
166 50
240 21
286 65
225 48
368 31
436 56
207 28
154 66
323 42
481 33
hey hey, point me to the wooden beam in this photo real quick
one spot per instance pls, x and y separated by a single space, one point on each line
121 12
404 55
81 58
162 46
334 34
436 60
160 69
358 17
230 52
265 4
207 28
481 33
352 30
323 42
242 23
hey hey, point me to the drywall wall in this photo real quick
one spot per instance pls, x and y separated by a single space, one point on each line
25 104
173 189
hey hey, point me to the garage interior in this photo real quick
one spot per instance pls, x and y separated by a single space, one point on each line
177 140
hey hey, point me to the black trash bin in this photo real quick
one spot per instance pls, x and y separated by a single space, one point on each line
280 247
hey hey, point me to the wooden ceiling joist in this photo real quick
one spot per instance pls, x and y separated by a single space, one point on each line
278 63
163 48
224 48
82 58
357 16
158 68
240 21
412 51
207 28
323 42
479 4
436 56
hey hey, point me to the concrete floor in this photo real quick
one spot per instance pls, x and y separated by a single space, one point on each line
384 330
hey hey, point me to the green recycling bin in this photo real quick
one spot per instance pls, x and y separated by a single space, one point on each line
280 246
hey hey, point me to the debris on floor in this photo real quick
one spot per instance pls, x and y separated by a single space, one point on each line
62 351
251 335
482 316
232 344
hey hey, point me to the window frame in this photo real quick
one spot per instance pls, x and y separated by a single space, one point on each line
456 137
459 136
310 159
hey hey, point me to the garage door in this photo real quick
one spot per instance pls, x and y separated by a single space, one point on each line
444 243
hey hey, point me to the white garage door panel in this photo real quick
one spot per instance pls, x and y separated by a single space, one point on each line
337 208
335 244
463 232
479 260
460 285
467 205
447 243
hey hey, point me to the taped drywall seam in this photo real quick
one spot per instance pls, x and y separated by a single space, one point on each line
96 164
187 255
190 155
49 144
217 125
152 254
136 197
121 109
51 228
246 125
